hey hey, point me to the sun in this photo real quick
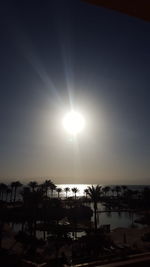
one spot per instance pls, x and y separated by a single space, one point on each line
73 122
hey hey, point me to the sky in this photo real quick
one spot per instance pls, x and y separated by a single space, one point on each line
58 55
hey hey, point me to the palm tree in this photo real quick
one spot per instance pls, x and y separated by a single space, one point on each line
8 192
17 184
41 187
86 192
118 190
59 190
48 184
124 188
25 191
113 191
12 185
52 188
66 189
3 189
106 189
75 190
33 185
94 192
31 202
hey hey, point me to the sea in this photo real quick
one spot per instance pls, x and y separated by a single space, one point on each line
82 187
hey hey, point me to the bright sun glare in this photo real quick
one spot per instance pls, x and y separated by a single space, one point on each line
73 122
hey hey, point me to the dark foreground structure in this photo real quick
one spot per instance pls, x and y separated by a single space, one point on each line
142 260
39 229
136 8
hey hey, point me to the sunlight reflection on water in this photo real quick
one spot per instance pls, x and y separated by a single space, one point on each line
80 187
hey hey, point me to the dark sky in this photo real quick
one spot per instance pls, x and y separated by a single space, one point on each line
54 54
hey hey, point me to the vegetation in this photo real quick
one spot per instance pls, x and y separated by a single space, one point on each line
86 192
59 190
66 189
75 190
95 193
35 208
33 185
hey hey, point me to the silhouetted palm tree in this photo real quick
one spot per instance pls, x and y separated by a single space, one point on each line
12 185
3 189
8 192
124 189
113 191
25 191
86 192
33 185
95 192
75 190
66 189
17 184
52 188
58 190
106 189
31 202
48 185
118 190
41 187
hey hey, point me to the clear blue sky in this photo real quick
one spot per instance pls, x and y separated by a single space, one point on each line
57 53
